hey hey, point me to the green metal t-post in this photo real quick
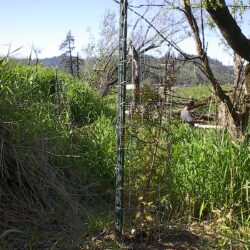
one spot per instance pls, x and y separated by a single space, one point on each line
120 125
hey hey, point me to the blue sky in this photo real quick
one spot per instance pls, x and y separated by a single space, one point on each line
45 23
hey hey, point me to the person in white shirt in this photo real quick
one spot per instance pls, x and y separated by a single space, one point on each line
186 116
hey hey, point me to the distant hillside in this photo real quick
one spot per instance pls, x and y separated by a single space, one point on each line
191 74
55 61
188 73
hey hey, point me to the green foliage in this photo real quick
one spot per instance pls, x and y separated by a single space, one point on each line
53 120
149 95
194 91
200 173
98 222
85 106
197 171
210 168
197 92
76 122
94 149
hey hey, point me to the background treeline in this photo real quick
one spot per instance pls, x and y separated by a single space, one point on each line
188 74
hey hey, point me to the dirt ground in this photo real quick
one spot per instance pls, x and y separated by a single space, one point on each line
170 237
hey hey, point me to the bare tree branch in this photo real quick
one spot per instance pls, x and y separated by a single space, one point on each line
230 30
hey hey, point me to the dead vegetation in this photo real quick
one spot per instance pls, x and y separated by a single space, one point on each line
39 206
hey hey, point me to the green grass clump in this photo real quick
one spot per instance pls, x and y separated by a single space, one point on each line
210 169
59 128
195 174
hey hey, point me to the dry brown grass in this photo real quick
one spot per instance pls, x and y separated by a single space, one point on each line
38 203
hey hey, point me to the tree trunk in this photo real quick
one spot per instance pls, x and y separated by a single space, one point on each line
236 120
232 33
246 99
71 63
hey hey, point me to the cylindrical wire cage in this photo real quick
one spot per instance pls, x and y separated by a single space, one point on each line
144 139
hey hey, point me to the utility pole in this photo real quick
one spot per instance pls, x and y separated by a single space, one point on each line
120 124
